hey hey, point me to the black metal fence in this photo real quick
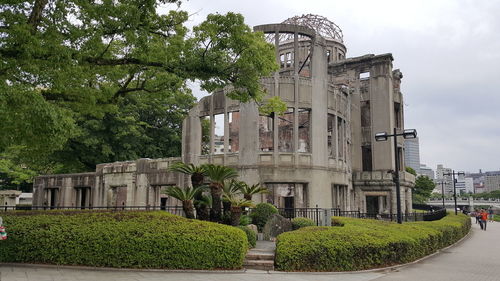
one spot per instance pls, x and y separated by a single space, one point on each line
176 210
315 214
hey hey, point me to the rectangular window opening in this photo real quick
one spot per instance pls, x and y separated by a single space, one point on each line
364 75
234 131
266 133
304 130
285 131
206 126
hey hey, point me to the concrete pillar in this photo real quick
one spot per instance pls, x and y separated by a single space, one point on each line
382 114
319 82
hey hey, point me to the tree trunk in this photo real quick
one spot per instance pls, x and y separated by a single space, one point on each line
197 179
202 212
227 209
235 216
215 212
36 14
188 208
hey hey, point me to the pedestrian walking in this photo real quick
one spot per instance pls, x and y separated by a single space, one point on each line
490 214
483 219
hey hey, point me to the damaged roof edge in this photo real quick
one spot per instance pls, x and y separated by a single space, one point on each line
363 59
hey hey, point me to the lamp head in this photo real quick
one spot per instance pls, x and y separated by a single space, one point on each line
381 136
409 133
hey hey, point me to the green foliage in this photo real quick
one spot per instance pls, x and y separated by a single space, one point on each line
261 213
302 222
423 189
249 190
364 244
411 171
218 174
83 83
245 220
273 105
495 194
496 218
121 239
251 236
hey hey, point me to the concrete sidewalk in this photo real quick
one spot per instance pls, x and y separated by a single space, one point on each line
475 258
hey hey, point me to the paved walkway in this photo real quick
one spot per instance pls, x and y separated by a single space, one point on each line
475 258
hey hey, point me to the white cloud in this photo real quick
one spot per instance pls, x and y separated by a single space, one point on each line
448 51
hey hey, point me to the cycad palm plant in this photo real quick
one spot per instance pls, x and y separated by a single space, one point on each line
249 190
237 205
197 174
231 188
186 196
217 174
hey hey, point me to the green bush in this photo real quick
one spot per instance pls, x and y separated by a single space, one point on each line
245 220
251 236
302 222
364 244
121 239
261 213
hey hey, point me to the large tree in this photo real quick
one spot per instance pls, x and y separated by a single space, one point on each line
83 82
423 189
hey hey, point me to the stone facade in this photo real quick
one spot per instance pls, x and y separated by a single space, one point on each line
320 152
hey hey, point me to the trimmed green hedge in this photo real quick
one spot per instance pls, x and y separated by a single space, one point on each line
261 214
121 239
364 244
251 235
302 222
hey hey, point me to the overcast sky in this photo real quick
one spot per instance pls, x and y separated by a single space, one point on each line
447 51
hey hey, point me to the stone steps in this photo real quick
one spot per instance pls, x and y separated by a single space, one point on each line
259 264
261 257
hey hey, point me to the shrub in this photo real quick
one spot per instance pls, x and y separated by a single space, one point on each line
121 239
363 244
337 222
251 236
261 213
302 222
245 220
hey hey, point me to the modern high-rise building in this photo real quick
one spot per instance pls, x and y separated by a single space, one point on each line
448 179
464 186
412 154
426 171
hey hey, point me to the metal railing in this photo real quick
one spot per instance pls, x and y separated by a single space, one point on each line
176 210
315 214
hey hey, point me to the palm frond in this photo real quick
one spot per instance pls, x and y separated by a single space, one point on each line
253 189
188 169
218 173
182 194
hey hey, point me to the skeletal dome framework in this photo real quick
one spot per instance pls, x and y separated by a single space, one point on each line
324 27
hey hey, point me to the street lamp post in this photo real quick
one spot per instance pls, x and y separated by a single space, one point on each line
442 192
407 134
453 173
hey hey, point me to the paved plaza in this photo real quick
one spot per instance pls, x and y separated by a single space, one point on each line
475 258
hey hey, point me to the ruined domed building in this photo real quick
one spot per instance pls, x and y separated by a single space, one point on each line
320 152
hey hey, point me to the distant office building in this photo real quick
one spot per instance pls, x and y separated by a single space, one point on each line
464 186
485 181
426 171
448 180
492 181
412 154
